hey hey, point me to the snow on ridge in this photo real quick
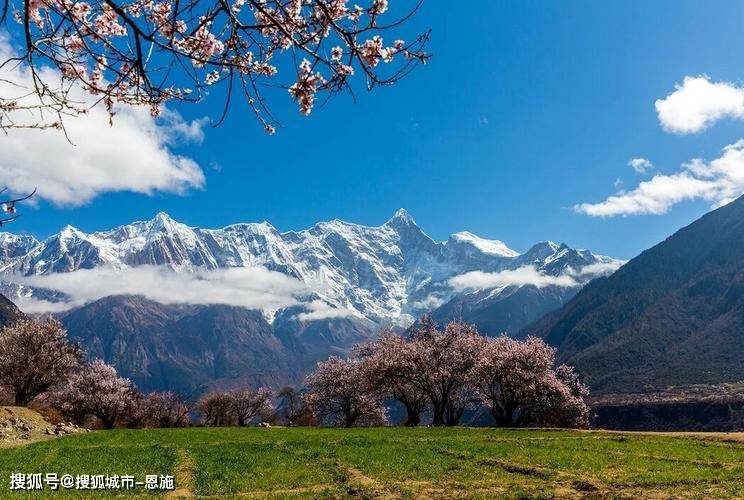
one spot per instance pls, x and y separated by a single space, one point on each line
386 272
492 247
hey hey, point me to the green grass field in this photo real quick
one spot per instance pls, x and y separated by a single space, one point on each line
394 463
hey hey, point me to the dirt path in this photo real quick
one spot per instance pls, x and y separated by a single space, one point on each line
357 484
363 485
184 476
737 437
304 490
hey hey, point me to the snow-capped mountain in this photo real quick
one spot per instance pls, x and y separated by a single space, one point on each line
390 273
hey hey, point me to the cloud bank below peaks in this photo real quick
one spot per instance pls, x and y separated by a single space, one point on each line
249 287
529 275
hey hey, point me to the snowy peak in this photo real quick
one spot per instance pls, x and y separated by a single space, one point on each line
401 217
162 223
383 273
556 259
541 250
12 245
489 247
162 217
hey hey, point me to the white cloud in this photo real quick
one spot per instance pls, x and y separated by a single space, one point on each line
250 287
31 305
718 182
592 271
319 309
698 103
527 275
132 155
428 303
640 165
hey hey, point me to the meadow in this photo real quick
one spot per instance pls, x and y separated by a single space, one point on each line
393 463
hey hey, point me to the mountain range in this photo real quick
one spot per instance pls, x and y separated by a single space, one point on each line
387 274
672 316
318 292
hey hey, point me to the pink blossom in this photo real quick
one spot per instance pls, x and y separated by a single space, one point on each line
141 46
73 43
306 87
35 357
107 23
379 7
340 393
212 77
96 390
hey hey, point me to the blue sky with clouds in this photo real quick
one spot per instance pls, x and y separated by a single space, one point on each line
526 110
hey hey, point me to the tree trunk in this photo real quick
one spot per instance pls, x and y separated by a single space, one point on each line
22 399
108 423
453 420
438 420
350 419
503 416
454 415
413 419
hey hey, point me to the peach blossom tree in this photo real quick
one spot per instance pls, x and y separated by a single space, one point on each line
438 363
216 409
96 389
149 52
36 357
385 358
520 383
445 372
165 409
340 393
247 404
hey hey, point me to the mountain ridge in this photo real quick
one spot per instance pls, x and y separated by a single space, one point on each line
673 315
382 273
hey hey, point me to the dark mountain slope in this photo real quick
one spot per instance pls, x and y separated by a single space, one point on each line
673 315
9 313
505 312
508 309
190 349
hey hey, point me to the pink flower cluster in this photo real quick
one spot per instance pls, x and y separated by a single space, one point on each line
107 23
306 87
133 51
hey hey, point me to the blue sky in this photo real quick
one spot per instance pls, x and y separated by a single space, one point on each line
526 109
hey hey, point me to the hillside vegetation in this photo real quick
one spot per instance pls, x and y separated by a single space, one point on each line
674 315
399 462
